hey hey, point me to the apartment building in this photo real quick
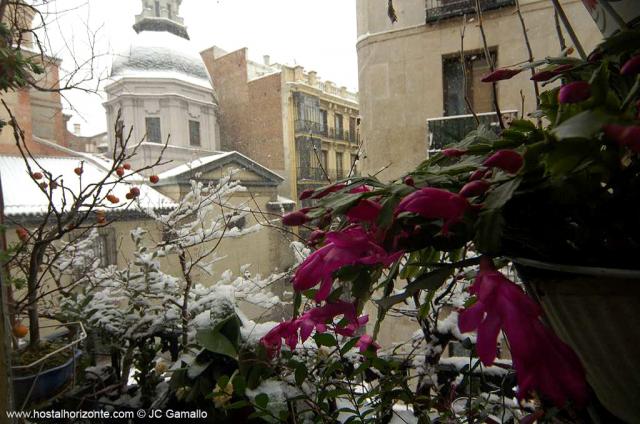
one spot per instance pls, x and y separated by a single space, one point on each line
416 96
303 128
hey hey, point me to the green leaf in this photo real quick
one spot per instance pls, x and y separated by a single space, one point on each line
197 368
428 281
583 125
349 345
325 339
262 400
216 342
300 374
489 228
501 194
239 385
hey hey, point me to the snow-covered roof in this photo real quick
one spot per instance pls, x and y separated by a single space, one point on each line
218 160
22 196
195 164
161 54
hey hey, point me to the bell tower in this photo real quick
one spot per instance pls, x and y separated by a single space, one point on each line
161 15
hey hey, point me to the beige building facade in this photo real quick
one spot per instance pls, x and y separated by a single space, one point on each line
303 128
410 73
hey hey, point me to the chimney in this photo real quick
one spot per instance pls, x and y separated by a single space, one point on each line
267 59
76 129
298 73
343 91
313 77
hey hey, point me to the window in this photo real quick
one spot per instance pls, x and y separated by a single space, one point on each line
339 165
352 129
456 86
338 125
194 133
169 14
325 159
325 122
153 130
157 4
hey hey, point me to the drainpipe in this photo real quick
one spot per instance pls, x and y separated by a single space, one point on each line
6 387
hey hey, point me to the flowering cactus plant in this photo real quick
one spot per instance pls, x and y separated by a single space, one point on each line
566 189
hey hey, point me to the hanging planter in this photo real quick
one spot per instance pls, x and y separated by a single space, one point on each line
590 308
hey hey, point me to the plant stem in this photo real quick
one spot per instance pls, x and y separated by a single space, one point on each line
569 28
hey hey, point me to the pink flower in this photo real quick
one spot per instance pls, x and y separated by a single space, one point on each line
366 342
360 189
435 203
631 66
454 153
315 237
574 92
318 319
306 194
479 174
364 211
408 180
542 361
295 218
547 75
501 74
329 190
628 136
475 188
508 160
350 246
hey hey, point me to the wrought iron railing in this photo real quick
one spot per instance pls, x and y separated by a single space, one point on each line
443 9
304 126
447 130
311 173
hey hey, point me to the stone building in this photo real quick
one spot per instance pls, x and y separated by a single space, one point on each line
303 128
410 75
162 90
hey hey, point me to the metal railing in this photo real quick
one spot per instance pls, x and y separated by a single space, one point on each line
447 130
312 173
443 9
316 128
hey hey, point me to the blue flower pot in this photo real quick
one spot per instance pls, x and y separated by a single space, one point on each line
49 382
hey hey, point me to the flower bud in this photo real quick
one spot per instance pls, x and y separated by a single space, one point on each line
475 188
501 74
454 153
294 219
574 92
508 160
631 66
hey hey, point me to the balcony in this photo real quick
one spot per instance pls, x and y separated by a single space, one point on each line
302 126
437 10
311 173
447 130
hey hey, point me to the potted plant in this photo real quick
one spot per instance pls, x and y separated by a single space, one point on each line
560 198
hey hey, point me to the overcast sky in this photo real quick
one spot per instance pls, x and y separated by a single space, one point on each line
317 34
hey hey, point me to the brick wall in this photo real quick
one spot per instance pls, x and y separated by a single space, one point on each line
250 114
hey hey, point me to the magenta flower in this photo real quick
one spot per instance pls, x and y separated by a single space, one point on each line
315 237
628 136
547 75
318 319
454 153
350 246
574 92
508 160
364 211
542 361
366 342
501 74
475 188
295 218
329 190
631 66
479 174
435 203
306 194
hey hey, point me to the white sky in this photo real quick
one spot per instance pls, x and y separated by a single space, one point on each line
317 34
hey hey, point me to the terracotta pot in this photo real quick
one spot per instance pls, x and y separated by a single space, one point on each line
595 311
611 15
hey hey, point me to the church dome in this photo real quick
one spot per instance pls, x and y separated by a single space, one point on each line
161 54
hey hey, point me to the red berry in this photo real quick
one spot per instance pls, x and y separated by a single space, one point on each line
113 199
37 175
54 185
129 196
78 171
127 166
43 186
22 233
120 171
154 179
135 191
